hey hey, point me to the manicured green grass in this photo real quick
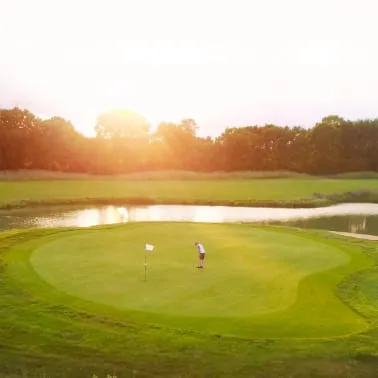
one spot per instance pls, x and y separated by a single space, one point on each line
247 192
47 332
251 272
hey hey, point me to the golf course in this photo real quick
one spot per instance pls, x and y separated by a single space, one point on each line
189 189
271 301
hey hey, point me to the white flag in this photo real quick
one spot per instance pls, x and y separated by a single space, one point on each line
149 247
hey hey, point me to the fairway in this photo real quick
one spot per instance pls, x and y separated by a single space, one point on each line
246 192
255 282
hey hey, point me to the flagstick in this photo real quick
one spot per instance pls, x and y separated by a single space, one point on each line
148 247
145 267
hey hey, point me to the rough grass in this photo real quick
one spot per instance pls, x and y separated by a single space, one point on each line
42 333
177 175
285 192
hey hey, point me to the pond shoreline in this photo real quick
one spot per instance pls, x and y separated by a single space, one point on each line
142 201
355 217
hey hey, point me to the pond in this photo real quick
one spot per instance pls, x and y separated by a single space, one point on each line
357 218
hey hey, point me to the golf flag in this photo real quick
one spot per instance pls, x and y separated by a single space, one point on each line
149 247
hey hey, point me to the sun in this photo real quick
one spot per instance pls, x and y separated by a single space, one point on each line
156 86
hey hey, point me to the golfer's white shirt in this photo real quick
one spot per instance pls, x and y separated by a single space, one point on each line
201 249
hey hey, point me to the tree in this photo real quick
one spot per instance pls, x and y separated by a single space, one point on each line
326 149
123 144
177 144
19 134
61 145
122 124
189 126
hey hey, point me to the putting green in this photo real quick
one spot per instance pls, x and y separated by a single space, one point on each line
256 281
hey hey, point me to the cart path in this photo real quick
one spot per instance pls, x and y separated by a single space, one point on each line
359 236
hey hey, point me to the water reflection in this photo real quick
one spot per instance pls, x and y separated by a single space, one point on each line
359 227
358 218
359 224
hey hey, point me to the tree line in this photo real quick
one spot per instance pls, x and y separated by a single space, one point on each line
124 143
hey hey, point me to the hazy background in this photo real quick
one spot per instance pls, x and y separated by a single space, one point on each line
223 63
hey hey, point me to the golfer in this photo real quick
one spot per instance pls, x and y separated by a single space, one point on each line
202 252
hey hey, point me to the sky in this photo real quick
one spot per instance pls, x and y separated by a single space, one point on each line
222 63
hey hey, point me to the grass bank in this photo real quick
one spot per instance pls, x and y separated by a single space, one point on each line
21 175
46 332
267 192
150 175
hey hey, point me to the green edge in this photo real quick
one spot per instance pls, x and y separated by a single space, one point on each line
311 316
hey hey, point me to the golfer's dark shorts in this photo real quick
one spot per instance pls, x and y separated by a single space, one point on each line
202 256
